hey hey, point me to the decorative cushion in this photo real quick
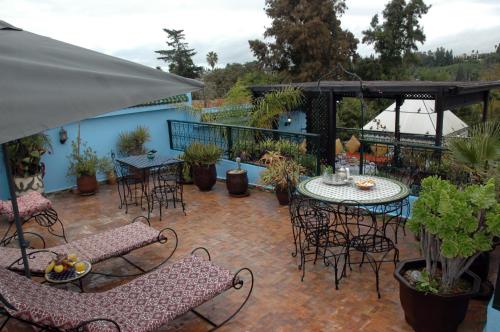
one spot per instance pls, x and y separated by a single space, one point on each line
352 145
94 248
144 304
339 148
29 205
379 150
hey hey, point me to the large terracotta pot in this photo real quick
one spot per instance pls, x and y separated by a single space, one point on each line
432 312
237 183
204 176
24 185
86 184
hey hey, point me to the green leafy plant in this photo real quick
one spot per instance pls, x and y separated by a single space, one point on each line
84 162
133 142
25 154
280 172
454 226
200 154
479 153
427 284
268 108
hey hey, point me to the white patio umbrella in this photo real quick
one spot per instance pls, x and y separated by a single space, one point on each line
45 83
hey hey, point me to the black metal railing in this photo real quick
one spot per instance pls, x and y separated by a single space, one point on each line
249 143
410 159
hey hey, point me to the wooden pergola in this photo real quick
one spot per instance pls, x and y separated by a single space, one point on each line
322 97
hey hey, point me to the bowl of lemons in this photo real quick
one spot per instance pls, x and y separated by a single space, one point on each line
65 266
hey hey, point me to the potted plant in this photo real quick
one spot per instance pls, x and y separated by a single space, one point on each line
281 173
202 158
84 165
455 226
187 171
25 157
108 169
237 181
132 143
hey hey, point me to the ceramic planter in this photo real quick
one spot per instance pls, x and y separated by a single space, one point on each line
204 176
86 184
237 183
432 312
282 196
29 183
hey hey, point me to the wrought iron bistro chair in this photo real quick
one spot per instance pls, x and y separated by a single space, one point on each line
32 206
365 237
167 187
318 237
129 185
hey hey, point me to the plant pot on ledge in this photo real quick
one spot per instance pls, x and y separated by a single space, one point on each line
427 312
237 182
86 184
204 176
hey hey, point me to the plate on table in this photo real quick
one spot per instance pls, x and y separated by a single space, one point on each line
365 184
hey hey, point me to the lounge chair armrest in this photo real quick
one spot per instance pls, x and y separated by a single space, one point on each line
141 218
202 249
30 255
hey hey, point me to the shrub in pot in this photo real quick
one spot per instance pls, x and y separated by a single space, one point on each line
25 161
187 171
84 164
237 181
281 173
455 226
202 158
132 143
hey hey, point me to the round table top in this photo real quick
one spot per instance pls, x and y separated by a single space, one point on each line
385 191
68 276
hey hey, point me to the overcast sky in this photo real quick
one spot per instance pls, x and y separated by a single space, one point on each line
132 29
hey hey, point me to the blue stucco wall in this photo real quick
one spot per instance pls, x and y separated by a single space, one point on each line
101 133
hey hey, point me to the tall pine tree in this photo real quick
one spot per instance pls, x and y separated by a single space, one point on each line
308 40
179 56
396 38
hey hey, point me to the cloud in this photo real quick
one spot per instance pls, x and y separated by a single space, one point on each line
132 29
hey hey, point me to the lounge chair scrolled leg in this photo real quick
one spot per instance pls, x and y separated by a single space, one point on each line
142 218
83 326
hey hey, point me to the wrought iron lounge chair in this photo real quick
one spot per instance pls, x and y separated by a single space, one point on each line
96 248
144 304
31 206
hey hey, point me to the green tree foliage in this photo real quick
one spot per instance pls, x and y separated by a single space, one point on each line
179 56
307 38
212 59
396 38
269 107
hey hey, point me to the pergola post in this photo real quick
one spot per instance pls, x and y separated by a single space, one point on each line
397 130
439 109
486 102
332 128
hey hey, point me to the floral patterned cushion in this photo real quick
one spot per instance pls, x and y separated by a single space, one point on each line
144 304
29 205
94 248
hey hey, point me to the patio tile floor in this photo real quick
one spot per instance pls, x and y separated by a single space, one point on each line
254 232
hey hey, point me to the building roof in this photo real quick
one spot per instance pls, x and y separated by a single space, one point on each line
389 89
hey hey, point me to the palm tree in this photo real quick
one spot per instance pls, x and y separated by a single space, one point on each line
480 152
268 108
212 59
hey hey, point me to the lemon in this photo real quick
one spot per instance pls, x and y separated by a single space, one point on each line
50 267
80 267
72 257
58 268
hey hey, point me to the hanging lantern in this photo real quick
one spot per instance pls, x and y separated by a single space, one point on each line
63 135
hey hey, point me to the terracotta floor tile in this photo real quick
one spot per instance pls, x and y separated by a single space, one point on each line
254 232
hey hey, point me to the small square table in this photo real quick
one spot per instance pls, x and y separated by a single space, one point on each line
144 163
